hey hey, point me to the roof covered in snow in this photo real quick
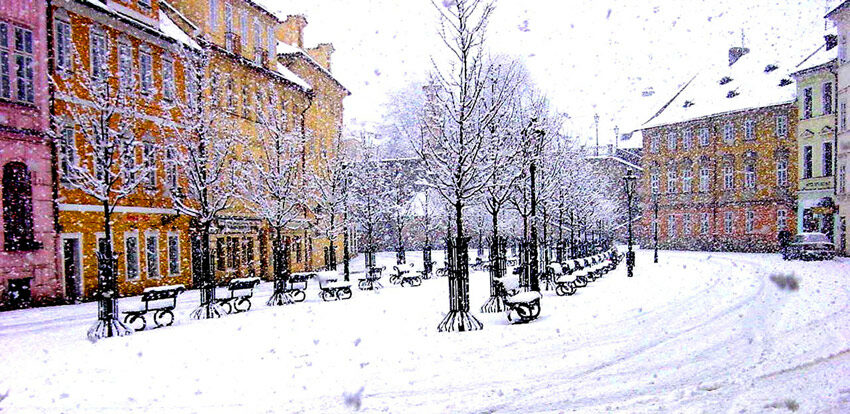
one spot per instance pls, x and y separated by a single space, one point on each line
170 29
757 79
821 56
292 77
290 50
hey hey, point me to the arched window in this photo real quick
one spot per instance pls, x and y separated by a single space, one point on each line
17 208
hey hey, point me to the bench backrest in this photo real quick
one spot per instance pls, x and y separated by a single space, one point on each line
243 284
300 278
150 295
555 268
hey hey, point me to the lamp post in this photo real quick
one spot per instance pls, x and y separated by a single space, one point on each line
629 181
655 226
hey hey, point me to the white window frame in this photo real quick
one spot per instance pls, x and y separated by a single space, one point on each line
125 64
750 175
654 181
671 180
704 137
782 126
687 178
653 144
781 220
214 5
671 226
728 222
68 147
842 114
842 179
24 65
168 90
827 105
704 178
704 224
171 175
728 176
5 61
152 234
149 159
729 133
750 221
782 172
98 42
272 42
807 111
62 48
127 236
171 259
750 129
145 72
808 169
243 29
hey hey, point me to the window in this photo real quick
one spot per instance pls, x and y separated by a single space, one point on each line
298 251
125 65
842 179
686 224
729 133
782 172
98 55
807 103
807 161
671 140
272 43
131 255
671 226
229 41
231 100
170 168
67 151
149 150
152 255
781 220
167 78
827 98
749 130
703 224
653 144
686 180
842 113
233 253
214 14
246 101
258 39
18 229
751 218
63 45
145 3
750 176
727 222
827 159
24 65
145 71
704 178
671 179
173 254
243 25
781 126
128 161
653 181
5 74
728 176
220 257
687 138
703 137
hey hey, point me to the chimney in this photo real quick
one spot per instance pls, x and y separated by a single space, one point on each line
292 30
322 54
735 53
831 41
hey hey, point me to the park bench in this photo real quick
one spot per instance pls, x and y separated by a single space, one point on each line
297 285
521 306
160 301
563 280
577 270
479 264
423 274
240 292
371 279
443 271
332 289
403 277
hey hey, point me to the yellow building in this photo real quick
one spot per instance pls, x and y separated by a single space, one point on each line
121 43
256 55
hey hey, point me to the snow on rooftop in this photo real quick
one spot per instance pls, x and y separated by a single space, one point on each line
292 77
757 79
287 49
819 57
170 29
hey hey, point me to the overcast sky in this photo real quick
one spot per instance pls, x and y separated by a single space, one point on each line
589 56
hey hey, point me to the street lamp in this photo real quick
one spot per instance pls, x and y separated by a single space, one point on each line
655 226
629 181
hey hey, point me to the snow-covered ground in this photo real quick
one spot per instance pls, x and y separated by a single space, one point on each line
698 332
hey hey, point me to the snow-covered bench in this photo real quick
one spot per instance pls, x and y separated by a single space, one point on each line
371 279
240 292
331 288
521 306
402 277
564 281
160 300
297 285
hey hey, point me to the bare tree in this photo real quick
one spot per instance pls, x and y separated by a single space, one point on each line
327 187
368 197
201 155
99 156
399 179
455 132
270 182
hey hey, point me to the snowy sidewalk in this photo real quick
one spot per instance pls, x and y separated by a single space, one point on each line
698 331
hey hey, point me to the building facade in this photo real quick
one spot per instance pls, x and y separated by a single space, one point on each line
719 159
816 143
840 17
132 47
28 253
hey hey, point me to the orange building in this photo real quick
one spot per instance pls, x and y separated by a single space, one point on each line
720 159
128 44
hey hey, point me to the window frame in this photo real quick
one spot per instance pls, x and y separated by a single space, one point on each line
704 137
704 224
62 48
807 110
728 222
750 221
173 257
827 98
127 236
808 162
749 129
146 86
152 255
750 178
827 153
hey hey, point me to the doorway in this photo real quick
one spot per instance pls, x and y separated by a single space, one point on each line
72 268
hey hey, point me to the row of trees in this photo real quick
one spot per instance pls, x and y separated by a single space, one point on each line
275 178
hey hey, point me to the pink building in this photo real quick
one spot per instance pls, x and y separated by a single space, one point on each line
27 227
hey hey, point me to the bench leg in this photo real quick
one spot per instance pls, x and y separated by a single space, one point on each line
242 304
327 295
135 321
280 298
163 317
343 294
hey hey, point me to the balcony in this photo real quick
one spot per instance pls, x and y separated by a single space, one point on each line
232 43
